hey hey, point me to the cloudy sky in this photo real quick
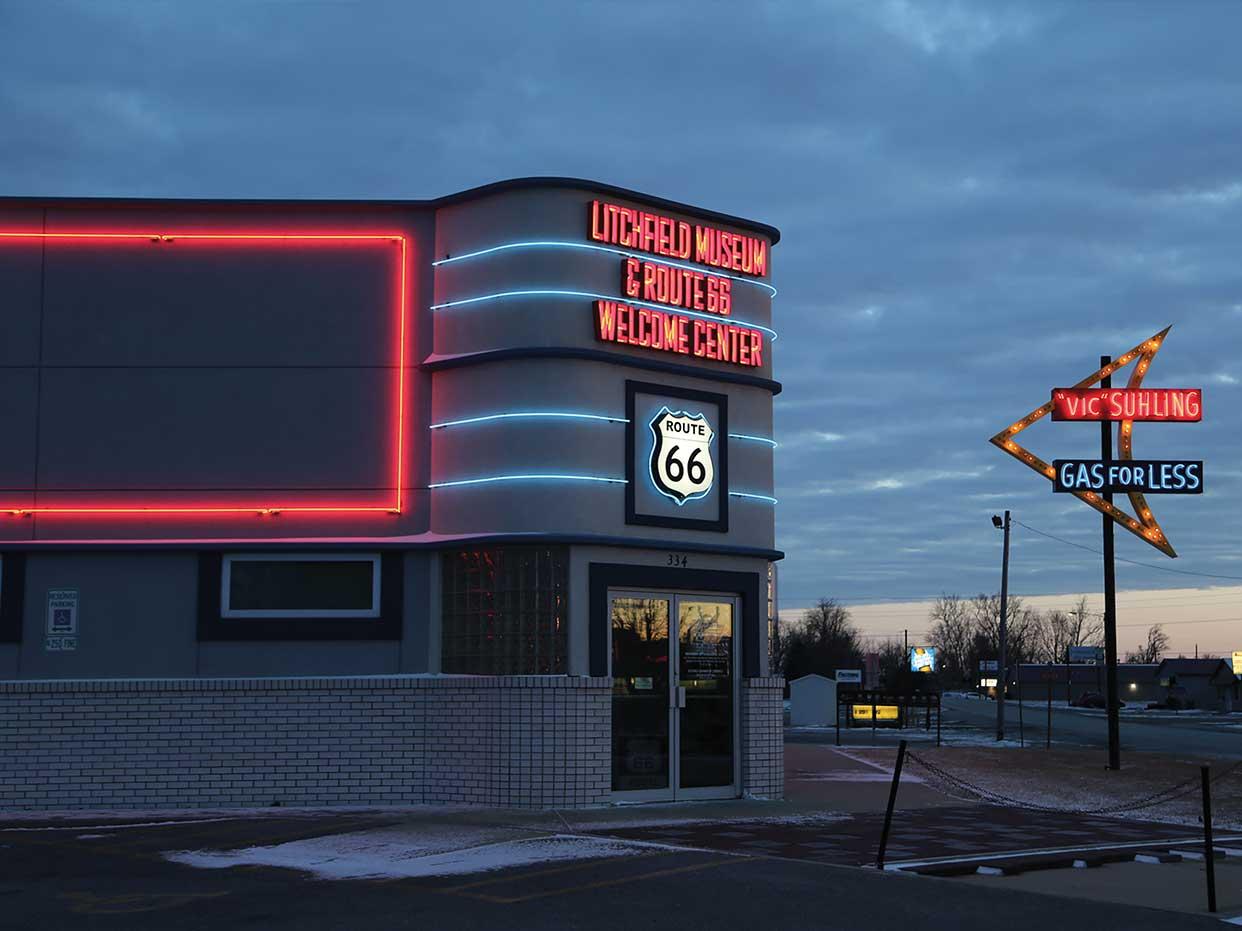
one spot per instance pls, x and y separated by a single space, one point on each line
977 200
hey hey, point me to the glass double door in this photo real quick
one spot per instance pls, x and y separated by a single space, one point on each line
674 695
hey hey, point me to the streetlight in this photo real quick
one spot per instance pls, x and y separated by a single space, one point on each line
1000 663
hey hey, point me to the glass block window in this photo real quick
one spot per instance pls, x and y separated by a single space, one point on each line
505 611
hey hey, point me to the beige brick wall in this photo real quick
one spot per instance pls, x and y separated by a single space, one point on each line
763 737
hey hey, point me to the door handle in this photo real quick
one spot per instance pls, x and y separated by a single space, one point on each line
681 696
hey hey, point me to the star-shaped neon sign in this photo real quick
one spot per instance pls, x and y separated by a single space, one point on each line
1142 523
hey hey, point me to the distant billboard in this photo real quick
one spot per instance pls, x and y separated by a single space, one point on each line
850 675
1237 662
923 659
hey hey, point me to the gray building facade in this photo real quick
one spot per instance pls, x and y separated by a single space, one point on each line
462 500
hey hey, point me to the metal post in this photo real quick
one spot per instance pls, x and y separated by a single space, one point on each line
1021 730
873 719
1000 664
1048 733
1208 851
1110 597
892 800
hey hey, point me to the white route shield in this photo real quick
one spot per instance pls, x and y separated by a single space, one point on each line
681 455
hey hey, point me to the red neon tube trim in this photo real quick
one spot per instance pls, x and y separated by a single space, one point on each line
265 509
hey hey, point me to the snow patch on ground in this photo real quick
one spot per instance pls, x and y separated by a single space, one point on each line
383 855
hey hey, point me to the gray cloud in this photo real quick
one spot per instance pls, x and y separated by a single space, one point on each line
977 198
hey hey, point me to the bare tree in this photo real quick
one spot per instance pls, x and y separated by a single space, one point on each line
1086 627
825 640
1020 624
1149 652
1055 632
952 635
1051 637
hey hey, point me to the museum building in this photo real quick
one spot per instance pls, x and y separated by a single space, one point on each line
466 500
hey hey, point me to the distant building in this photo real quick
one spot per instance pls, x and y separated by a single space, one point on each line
1209 684
1136 682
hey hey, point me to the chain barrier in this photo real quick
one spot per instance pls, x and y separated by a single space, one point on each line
1172 793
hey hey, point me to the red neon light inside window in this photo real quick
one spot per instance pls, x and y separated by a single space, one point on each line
266 507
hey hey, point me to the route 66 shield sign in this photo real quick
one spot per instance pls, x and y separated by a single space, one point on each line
681 455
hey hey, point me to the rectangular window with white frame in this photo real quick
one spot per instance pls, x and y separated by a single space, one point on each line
301 595
292 585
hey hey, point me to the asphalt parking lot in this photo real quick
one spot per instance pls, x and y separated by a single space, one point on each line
101 875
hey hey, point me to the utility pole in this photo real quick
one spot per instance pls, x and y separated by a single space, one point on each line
1001 676
1110 596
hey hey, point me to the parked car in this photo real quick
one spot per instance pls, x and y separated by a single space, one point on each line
1093 700
1177 700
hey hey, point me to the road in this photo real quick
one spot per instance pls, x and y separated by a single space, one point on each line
1192 734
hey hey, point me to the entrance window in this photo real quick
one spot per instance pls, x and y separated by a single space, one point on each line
505 611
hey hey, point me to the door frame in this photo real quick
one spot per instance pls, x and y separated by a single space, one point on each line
675 792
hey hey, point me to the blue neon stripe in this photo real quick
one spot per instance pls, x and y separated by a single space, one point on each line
742 494
527 414
549 292
757 439
556 244
531 477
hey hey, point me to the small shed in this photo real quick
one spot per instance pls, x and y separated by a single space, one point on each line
812 701
1209 683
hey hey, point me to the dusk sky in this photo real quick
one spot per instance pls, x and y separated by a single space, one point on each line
976 201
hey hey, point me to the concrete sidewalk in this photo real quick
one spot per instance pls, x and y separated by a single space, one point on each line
1178 887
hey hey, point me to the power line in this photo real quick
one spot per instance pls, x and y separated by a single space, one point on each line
1197 620
1133 562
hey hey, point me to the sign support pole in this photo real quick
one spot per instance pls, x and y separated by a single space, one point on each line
1001 678
1110 597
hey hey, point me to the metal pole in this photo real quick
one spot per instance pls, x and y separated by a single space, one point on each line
1000 664
1110 597
838 719
892 800
1208 851
1021 730
1048 733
